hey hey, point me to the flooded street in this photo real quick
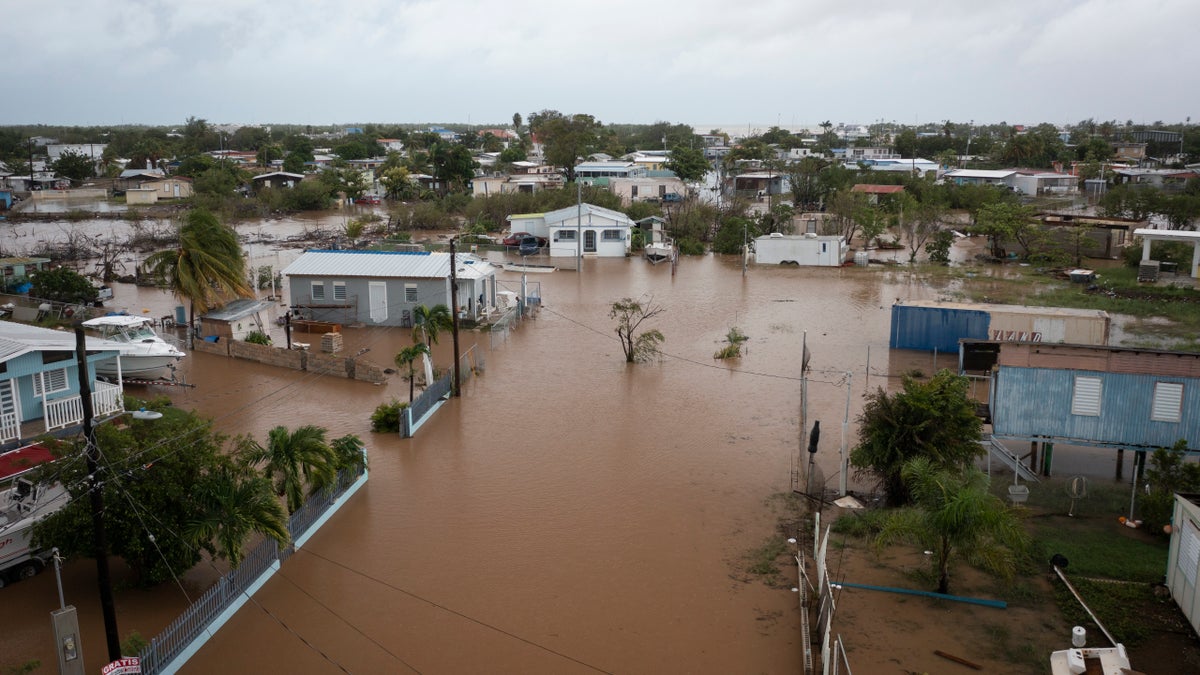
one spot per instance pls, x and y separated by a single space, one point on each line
570 513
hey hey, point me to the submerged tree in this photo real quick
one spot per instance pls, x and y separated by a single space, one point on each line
956 517
933 419
297 460
630 314
733 344
206 267
406 358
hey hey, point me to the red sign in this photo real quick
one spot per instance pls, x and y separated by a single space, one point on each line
129 665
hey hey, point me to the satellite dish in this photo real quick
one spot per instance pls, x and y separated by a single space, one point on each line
1076 489
143 414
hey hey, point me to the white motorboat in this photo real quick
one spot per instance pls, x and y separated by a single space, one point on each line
142 351
21 506
658 251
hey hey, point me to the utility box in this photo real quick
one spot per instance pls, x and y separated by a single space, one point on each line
1148 270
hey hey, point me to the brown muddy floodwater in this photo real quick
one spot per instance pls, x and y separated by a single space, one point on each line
569 513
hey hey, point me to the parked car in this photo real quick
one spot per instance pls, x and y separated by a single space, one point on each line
515 238
672 197
529 245
372 200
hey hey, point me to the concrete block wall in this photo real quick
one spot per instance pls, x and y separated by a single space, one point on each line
296 359
221 348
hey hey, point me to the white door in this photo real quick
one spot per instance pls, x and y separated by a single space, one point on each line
10 426
377 297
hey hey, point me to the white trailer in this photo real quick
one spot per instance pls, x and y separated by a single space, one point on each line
810 250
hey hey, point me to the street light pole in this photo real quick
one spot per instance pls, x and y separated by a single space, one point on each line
99 541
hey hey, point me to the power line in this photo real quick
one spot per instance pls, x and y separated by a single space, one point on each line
444 608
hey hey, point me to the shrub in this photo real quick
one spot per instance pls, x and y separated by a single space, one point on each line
386 417
258 337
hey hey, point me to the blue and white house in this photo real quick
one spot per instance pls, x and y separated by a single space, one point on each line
1097 396
39 381
381 288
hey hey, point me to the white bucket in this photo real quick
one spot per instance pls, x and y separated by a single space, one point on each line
1078 636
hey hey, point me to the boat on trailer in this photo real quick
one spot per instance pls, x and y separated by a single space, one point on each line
142 352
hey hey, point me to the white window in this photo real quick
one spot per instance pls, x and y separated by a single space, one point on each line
1086 400
611 235
318 290
565 235
55 381
1168 402
339 290
410 293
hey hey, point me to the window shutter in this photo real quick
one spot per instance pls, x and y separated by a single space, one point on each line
1168 402
1087 396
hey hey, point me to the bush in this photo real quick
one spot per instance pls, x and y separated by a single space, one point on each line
386 417
258 337
691 246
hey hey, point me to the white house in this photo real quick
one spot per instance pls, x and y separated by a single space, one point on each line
587 229
646 188
810 250
1001 177
1046 183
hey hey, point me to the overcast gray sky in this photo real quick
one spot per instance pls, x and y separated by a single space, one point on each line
701 62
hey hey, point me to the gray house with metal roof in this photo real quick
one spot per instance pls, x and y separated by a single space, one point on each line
381 288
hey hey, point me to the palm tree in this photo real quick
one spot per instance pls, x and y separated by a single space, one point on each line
348 453
296 460
206 268
427 325
234 505
405 358
956 517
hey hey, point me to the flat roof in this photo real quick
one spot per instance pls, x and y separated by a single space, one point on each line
1168 235
1011 309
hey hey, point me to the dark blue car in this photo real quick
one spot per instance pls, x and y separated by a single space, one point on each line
528 246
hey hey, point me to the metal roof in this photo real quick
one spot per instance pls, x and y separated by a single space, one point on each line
572 212
877 189
386 264
18 338
980 173
1010 309
238 309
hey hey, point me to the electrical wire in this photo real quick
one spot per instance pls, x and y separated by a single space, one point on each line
444 608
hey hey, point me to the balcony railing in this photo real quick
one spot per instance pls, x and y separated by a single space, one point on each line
68 411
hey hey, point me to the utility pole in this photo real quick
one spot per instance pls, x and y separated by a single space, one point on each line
99 540
454 314
578 226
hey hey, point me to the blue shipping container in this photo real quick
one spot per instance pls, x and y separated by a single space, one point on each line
940 328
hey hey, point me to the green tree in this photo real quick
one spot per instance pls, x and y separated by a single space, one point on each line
688 163
734 232
1002 222
62 284
406 358
298 462
565 140
158 475
293 162
428 324
1168 473
74 165
452 164
955 516
919 223
938 247
233 504
933 419
808 192
206 268
630 314
348 453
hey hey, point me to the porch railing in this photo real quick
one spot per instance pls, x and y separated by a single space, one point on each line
61 413
10 427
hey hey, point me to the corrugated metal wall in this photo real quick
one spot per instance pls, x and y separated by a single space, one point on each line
929 328
1032 402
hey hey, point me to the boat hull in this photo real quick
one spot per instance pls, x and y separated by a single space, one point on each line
138 365
657 254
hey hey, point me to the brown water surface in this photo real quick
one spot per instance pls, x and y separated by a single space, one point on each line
569 513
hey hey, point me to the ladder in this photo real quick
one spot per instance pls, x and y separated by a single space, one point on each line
1006 457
